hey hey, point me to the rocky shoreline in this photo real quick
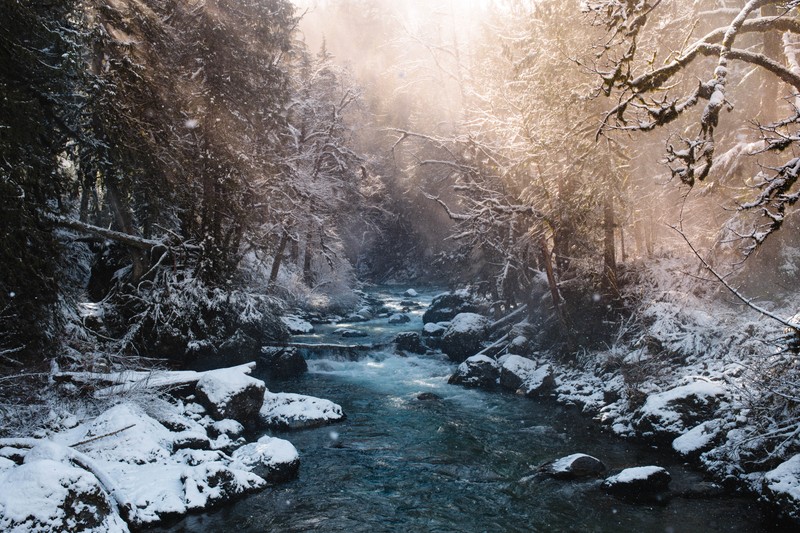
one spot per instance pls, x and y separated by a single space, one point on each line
693 411
156 456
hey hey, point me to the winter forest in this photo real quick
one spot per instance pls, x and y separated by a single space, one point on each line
399 265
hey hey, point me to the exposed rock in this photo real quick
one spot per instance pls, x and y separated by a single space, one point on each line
781 487
190 440
519 345
524 376
296 325
434 329
697 440
229 427
428 396
228 393
48 495
351 333
212 483
464 335
399 318
641 483
410 341
445 307
281 362
668 414
294 411
574 466
276 460
477 371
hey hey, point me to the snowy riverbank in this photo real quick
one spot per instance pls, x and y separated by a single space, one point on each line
140 462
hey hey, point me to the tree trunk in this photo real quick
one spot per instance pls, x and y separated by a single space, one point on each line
554 293
276 262
609 249
124 220
308 277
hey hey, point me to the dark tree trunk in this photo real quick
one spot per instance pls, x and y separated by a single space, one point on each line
124 220
276 262
609 249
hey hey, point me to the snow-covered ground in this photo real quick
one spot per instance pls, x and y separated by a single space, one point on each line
142 461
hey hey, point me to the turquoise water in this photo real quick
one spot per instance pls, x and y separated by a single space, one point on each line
459 464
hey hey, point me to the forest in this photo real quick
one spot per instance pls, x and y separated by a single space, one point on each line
610 184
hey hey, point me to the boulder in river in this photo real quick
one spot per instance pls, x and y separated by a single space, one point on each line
281 362
525 376
399 318
411 293
577 465
445 307
476 371
286 410
351 333
464 335
428 396
296 325
229 393
276 460
410 341
641 483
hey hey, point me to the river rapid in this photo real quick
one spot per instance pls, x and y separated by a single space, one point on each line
462 463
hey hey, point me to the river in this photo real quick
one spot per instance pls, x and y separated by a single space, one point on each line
459 464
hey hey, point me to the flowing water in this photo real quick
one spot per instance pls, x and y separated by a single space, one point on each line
459 464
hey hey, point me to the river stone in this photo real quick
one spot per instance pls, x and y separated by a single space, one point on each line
524 376
445 307
434 329
399 318
574 466
668 414
410 341
351 333
276 460
464 335
281 362
781 488
428 396
477 371
229 393
638 483
286 410
60 497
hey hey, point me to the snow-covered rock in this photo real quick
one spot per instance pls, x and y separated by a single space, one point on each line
519 345
351 333
410 341
276 460
399 318
574 466
464 335
697 440
782 487
285 410
638 483
296 325
434 329
668 414
445 307
228 427
281 362
476 371
229 393
411 293
524 376
47 495
211 483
